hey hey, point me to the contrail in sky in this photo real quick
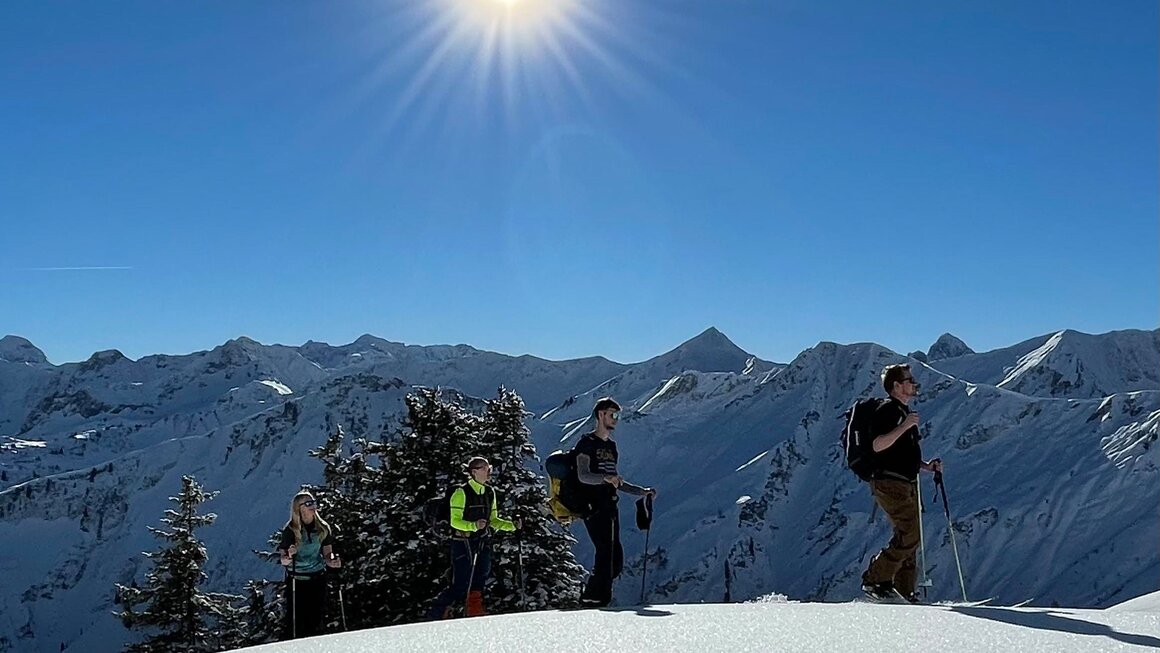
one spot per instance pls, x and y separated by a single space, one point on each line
80 268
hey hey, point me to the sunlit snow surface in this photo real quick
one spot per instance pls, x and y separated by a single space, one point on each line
766 627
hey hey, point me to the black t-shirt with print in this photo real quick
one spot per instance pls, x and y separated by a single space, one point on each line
602 459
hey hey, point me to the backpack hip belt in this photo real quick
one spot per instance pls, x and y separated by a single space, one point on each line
888 475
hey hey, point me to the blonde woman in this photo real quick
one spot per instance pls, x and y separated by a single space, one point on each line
307 550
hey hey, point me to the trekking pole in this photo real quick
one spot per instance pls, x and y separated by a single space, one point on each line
615 527
644 517
293 600
644 571
951 528
470 580
471 577
341 604
520 568
924 580
520 541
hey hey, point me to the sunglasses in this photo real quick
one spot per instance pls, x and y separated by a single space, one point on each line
614 414
308 503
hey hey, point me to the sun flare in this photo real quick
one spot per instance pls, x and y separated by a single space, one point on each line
511 60
519 15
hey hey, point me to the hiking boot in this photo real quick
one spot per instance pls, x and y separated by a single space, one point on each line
880 591
475 604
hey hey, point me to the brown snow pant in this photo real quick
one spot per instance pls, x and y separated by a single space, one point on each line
895 563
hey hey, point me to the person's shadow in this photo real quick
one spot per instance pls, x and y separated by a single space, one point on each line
646 611
1052 621
640 610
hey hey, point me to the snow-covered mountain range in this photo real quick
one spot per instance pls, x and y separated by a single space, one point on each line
1052 465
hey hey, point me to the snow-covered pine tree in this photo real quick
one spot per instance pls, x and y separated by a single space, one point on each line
395 564
261 619
355 498
348 497
422 466
541 551
178 616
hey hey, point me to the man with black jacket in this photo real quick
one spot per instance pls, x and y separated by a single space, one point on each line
898 459
596 459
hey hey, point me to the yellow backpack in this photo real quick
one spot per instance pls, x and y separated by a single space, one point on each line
561 469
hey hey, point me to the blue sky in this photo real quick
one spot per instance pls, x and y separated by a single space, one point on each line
608 177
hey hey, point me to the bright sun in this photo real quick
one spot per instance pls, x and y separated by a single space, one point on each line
510 53
523 12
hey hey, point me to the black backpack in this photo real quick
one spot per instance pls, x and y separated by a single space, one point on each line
857 439
437 511
561 465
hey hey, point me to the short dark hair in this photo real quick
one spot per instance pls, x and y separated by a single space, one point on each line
604 403
477 461
892 374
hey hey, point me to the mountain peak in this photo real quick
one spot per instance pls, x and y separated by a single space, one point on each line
919 355
711 335
244 341
236 351
374 342
15 349
710 340
102 359
947 346
708 351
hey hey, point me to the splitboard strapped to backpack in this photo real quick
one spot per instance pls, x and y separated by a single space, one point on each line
561 469
857 439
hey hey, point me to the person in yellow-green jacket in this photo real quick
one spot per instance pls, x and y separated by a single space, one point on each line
474 514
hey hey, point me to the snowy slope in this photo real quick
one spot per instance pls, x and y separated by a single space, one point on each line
1146 603
89 525
1067 364
1054 498
710 352
89 413
763 627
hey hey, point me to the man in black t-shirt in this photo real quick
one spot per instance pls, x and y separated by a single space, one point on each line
599 480
898 459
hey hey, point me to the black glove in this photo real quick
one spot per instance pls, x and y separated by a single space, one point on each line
644 512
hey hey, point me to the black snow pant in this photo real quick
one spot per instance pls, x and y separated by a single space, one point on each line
604 528
305 605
